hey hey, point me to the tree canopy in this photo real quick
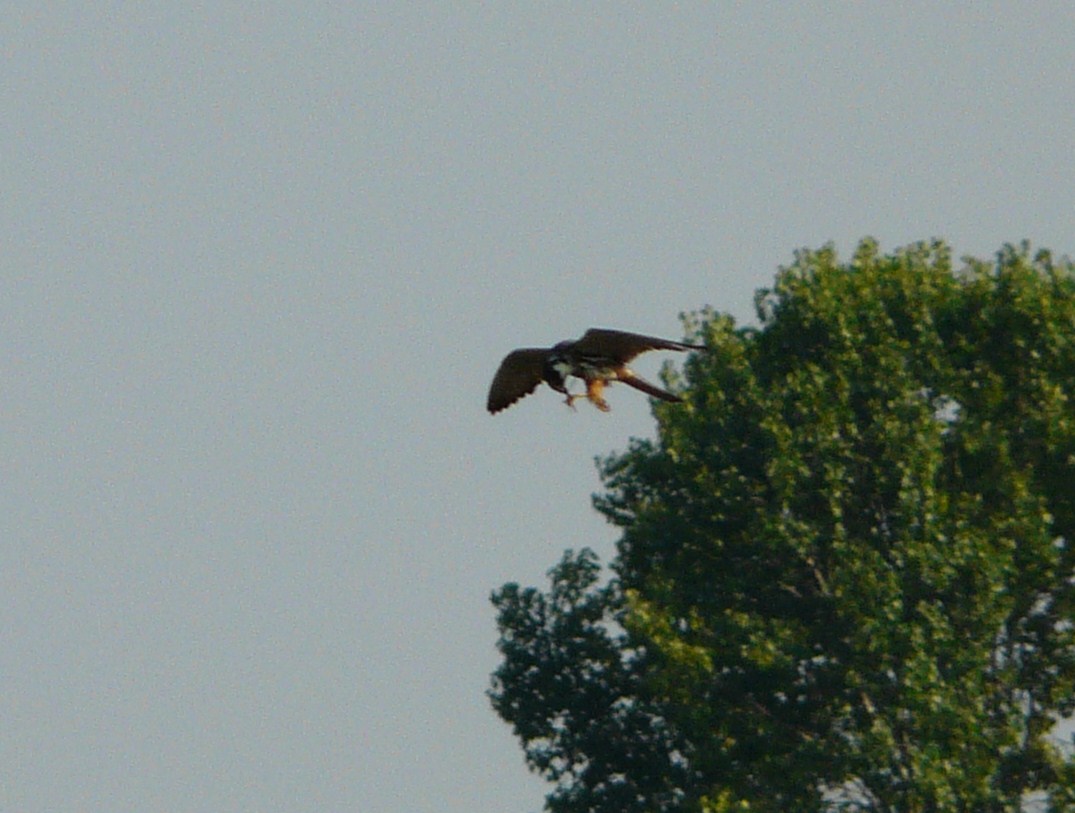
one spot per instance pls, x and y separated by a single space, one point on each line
846 572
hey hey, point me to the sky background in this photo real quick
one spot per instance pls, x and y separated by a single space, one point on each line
258 264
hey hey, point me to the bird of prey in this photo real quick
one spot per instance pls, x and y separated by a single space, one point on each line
598 358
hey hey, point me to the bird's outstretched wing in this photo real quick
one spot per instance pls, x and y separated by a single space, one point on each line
518 376
622 346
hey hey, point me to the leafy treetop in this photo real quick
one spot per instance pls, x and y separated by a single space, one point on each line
846 576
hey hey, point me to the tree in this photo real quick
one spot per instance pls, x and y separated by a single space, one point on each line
846 575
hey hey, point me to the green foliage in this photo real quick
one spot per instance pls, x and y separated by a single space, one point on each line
846 576
570 687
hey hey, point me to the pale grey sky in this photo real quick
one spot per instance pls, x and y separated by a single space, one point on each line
259 264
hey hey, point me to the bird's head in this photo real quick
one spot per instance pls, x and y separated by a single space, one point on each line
557 367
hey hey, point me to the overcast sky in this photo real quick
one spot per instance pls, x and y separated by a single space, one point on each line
259 263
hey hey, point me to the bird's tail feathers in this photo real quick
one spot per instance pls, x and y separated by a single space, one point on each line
641 384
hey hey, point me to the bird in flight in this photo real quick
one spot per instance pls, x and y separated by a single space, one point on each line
598 358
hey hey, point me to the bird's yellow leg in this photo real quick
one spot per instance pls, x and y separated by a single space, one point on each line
594 388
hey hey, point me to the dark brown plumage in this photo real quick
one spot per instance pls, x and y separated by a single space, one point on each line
598 358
